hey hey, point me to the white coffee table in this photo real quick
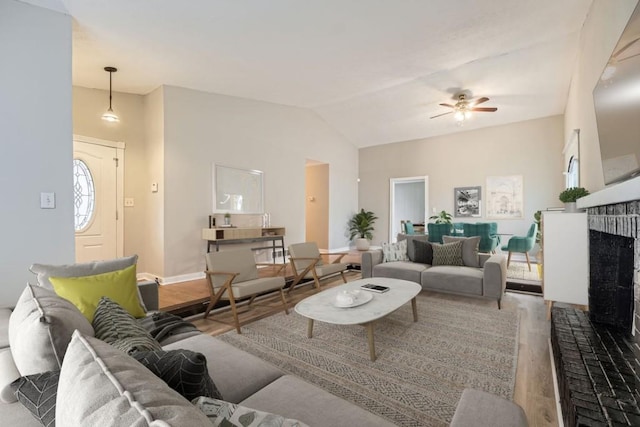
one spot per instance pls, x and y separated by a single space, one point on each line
322 307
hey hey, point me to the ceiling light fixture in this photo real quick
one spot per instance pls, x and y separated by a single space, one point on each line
462 110
109 115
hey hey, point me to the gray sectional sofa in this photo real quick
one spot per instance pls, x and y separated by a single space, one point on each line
488 280
240 377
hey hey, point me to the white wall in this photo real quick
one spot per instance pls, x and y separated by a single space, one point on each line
36 135
532 149
600 33
202 128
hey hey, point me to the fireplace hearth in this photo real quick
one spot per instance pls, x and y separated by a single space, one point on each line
597 354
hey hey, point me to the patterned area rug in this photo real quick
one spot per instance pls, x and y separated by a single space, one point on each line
422 367
520 270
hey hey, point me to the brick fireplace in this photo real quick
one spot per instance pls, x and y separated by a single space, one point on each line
597 354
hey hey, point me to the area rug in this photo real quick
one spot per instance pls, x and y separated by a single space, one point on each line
422 368
520 271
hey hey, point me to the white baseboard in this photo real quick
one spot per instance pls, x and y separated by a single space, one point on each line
171 279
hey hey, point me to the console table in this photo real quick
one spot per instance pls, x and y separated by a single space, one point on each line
237 235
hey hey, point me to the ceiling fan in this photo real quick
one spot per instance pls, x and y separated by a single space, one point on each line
463 108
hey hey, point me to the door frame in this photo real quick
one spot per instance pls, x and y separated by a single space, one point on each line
392 185
120 147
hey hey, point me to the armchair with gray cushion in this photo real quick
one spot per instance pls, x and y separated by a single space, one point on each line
522 244
307 263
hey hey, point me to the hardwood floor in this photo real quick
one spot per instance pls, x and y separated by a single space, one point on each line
534 383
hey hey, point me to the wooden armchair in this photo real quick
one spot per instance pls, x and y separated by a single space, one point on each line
233 275
307 263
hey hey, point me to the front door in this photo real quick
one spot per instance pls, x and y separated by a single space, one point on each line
97 176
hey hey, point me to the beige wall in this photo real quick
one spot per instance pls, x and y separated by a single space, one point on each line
36 140
202 128
600 33
317 205
532 149
88 107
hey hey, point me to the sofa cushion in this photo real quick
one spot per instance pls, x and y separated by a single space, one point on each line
40 329
447 254
104 386
222 413
185 371
44 271
114 325
292 397
38 393
236 373
85 291
469 249
403 270
5 314
395 251
8 374
422 251
462 280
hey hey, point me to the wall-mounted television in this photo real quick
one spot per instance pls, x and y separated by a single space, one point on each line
617 104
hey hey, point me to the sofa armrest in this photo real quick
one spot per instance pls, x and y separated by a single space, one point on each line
494 281
148 290
368 260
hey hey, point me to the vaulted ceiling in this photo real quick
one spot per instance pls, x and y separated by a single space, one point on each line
375 70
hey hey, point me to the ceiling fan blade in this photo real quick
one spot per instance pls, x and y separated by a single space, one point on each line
443 114
485 109
625 47
447 105
480 100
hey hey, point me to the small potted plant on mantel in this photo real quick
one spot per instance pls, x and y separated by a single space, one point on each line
569 197
361 226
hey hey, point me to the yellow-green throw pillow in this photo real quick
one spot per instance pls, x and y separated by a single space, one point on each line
85 292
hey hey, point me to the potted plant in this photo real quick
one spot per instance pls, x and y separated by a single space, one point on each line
361 226
227 219
443 217
569 197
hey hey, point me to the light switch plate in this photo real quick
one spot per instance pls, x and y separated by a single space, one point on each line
128 202
154 187
47 200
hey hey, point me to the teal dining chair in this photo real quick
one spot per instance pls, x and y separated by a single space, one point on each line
522 244
436 231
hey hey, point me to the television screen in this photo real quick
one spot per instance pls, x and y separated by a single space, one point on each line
617 104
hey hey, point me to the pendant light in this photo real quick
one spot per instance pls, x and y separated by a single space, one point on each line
109 115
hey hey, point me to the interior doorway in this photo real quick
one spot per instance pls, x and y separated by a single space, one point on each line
409 200
317 203
98 186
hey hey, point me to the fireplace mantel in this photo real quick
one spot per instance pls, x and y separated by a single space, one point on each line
617 193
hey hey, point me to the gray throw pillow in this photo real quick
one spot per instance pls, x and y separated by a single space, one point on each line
447 253
469 249
101 386
422 251
38 393
185 371
395 251
40 329
114 325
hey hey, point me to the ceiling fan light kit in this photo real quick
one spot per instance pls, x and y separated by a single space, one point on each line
109 115
463 109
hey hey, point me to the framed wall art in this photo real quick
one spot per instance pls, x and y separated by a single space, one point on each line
505 197
468 202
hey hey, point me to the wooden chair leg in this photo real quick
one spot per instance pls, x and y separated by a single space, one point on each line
284 302
232 302
215 296
316 279
509 259
344 279
528 263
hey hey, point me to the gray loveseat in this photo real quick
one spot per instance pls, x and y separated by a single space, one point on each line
239 376
488 280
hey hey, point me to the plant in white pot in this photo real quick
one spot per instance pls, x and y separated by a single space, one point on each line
360 228
569 197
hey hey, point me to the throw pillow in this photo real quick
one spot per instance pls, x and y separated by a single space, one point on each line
40 329
447 254
222 413
185 371
469 249
85 291
115 326
395 251
423 251
45 271
103 386
38 393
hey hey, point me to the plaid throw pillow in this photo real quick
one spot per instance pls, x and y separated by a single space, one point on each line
447 254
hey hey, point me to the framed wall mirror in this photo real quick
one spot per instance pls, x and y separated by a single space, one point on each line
237 190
